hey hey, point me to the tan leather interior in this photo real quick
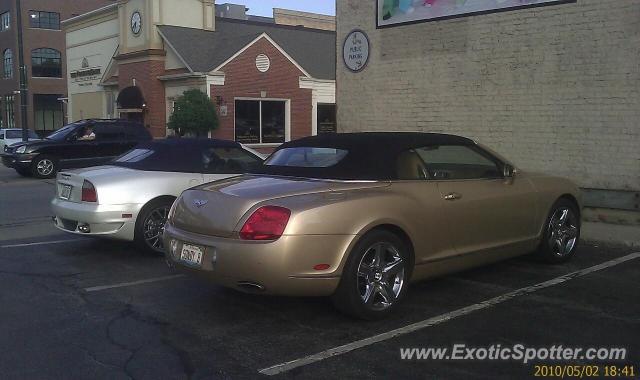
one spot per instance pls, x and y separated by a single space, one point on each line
410 166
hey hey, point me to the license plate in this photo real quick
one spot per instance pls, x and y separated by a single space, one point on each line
192 254
65 192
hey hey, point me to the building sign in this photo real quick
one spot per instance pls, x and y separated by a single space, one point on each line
86 73
394 12
356 51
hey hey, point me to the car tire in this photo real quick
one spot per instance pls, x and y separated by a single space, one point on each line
375 278
561 232
24 172
44 166
150 225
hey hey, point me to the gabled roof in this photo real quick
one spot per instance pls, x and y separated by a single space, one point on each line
202 51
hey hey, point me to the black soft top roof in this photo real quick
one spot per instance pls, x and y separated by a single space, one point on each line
372 155
175 154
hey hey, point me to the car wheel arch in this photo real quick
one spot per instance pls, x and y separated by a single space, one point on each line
138 236
156 199
392 227
571 198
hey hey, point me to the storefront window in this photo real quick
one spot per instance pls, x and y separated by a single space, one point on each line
273 122
48 113
260 121
327 118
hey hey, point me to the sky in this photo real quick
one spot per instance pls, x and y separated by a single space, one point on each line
265 7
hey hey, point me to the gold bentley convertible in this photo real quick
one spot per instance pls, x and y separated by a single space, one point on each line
359 216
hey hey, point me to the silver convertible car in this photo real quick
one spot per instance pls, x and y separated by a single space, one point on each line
130 198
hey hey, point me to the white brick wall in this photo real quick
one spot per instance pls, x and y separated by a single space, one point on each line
555 89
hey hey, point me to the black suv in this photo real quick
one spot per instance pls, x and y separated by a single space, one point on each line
81 144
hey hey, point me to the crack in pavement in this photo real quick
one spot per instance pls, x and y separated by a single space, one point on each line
133 349
50 282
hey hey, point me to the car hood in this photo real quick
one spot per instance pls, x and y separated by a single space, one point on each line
11 142
217 208
30 143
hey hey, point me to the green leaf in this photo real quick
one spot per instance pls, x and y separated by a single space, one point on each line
194 114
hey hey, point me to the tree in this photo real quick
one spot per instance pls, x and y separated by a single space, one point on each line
194 113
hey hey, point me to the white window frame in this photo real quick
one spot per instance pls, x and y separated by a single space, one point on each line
287 119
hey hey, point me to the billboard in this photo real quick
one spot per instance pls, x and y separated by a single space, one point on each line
394 12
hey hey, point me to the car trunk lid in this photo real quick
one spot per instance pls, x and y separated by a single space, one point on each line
216 209
69 183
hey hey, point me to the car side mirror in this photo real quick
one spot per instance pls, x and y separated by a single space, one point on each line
509 171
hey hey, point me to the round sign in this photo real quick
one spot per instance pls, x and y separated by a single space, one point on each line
356 50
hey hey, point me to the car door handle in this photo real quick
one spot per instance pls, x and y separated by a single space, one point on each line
452 196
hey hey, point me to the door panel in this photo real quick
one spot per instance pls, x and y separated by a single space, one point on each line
427 217
489 213
76 154
109 138
484 209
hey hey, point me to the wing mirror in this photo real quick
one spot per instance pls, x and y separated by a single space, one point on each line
509 171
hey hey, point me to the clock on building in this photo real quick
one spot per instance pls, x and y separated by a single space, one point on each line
136 22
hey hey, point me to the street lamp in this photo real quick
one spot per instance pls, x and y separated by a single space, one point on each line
24 91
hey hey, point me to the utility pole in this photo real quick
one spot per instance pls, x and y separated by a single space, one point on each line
23 75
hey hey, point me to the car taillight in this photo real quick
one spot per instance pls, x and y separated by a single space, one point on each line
172 211
89 193
266 223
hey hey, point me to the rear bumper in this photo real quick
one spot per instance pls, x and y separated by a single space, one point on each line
283 267
101 220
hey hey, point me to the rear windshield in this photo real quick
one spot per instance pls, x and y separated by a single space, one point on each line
307 157
17 134
135 155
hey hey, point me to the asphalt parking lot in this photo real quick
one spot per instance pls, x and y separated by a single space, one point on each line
81 308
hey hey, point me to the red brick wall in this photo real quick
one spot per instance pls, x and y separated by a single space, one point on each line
281 81
146 74
39 38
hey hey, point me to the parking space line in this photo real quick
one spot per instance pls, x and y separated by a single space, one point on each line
42 243
133 283
340 350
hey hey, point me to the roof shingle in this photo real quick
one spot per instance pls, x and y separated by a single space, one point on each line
203 51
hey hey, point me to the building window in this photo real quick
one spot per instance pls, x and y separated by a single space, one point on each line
7 61
260 121
46 63
44 20
48 113
5 21
8 110
327 118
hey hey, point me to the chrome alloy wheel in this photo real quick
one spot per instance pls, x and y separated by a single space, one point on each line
154 227
563 231
380 276
45 167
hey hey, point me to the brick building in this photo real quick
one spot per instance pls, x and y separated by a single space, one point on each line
270 82
44 56
553 85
